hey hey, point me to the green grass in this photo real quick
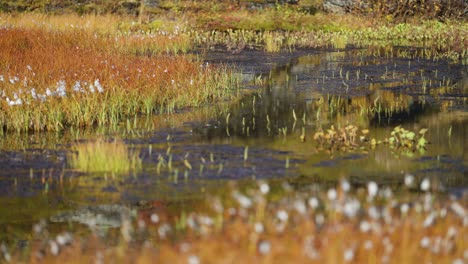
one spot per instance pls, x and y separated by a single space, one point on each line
104 156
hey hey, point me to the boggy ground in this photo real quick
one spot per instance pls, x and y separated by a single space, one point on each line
346 183
185 211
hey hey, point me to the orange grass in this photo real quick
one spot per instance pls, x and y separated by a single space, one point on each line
430 229
131 84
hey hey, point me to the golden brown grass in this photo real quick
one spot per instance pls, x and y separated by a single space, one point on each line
53 79
104 156
288 228
100 24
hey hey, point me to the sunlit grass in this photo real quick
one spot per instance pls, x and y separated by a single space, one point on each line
280 224
104 156
52 80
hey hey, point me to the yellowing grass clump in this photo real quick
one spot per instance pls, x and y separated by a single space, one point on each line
53 79
105 156
102 24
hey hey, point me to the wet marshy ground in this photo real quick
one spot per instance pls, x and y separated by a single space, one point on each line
268 133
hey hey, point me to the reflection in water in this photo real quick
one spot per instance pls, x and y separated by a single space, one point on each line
268 133
315 91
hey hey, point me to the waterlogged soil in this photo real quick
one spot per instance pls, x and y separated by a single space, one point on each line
265 134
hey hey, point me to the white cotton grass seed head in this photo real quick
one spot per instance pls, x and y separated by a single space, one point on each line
154 218
351 208
429 220
458 209
264 188
54 248
404 208
64 239
7 256
368 245
259 227
184 247
319 219
345 185
387 193
425 242
443 212
61 89
373 212
348 255
313 202
243 200
300 206
282 215
409 180
372 189
98 86
192 259
332 194
264 247
5 253
452 232
91 88
364 226
425 185
163 230
309 249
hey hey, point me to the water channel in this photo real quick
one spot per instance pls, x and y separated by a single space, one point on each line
267 133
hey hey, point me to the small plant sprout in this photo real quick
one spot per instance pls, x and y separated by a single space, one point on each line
187 164
302 136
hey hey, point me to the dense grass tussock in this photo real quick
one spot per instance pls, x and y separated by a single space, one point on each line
53 79
104 156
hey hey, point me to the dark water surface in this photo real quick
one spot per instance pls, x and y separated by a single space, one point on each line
288 97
